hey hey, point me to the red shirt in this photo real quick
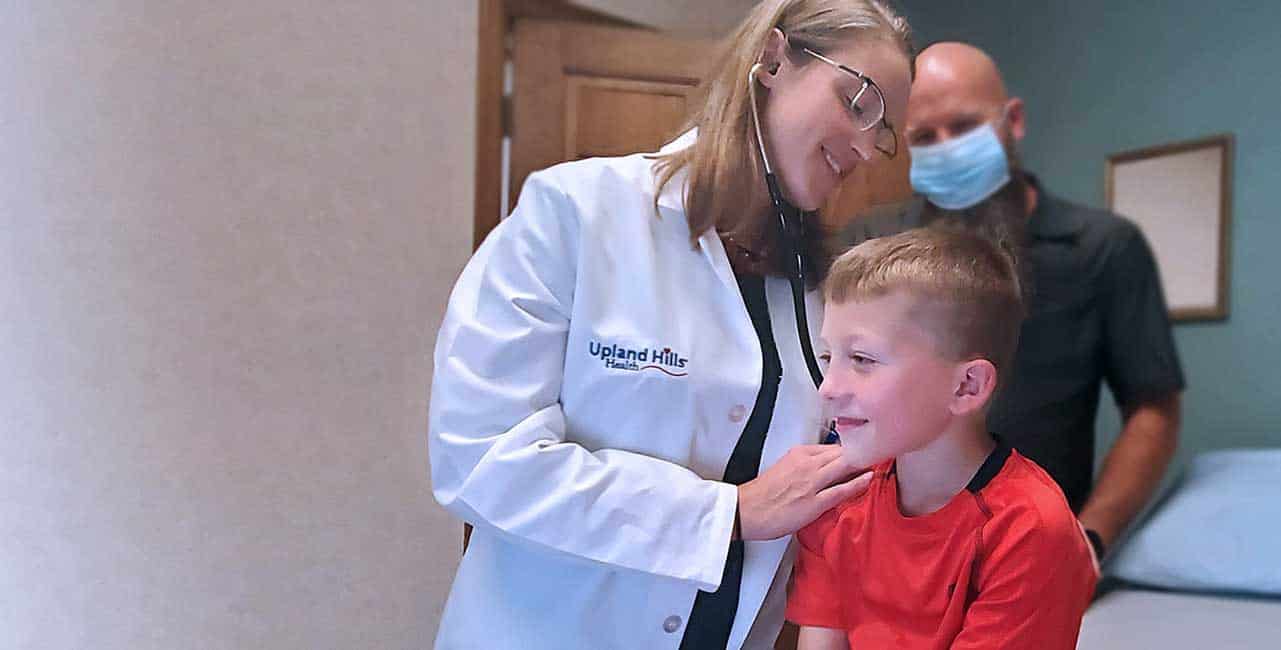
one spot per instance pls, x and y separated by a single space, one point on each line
1004 564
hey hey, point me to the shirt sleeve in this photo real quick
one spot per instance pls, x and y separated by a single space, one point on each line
502 457
1033 589
1141 362
814 599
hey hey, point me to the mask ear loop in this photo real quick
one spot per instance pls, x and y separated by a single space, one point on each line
797 276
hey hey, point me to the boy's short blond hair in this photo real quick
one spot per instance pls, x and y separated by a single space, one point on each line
970 296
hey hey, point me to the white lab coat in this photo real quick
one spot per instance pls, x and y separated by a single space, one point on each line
592 376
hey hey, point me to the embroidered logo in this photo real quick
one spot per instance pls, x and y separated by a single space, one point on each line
617 357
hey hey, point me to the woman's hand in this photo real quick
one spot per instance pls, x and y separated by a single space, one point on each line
805 483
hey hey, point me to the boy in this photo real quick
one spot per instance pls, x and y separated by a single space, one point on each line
959 542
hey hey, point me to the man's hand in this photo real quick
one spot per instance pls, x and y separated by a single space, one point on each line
808 481
1097 546
1133 468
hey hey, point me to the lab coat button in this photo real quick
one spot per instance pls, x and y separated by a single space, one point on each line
737 413
671 624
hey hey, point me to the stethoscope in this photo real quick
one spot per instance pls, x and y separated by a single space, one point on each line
792 237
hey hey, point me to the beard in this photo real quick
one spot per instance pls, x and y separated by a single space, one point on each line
1001 218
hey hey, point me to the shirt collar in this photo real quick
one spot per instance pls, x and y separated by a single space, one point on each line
672 195
1052 218
991 466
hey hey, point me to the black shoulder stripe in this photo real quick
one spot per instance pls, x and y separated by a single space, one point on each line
990 467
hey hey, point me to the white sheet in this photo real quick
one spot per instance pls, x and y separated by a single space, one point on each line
1143 620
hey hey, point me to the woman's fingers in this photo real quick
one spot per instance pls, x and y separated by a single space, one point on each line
821 451
836 467
806 482
832 496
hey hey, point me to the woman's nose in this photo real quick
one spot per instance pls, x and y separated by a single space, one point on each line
864 143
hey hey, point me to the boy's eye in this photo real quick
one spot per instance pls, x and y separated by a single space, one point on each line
825 358
860 360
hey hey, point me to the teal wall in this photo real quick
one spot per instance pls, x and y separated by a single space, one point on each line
1104 76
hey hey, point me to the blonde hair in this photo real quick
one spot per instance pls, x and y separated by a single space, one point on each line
968 288
726 183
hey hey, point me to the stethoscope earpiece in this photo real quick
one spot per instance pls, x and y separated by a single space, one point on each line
754 73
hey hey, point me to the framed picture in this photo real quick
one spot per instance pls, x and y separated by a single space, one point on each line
1180 195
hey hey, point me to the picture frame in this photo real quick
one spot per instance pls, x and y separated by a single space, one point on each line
1180 196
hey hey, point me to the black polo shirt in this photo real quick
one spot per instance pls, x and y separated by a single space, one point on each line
1096 313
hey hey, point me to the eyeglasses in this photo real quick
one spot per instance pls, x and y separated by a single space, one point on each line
866 107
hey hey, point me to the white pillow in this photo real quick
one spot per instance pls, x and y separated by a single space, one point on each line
1219 531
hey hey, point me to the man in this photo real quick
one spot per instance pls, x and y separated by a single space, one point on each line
1096 310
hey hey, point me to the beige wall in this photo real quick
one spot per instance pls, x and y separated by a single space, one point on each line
227 231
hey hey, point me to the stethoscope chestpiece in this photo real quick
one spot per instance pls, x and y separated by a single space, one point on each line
831 437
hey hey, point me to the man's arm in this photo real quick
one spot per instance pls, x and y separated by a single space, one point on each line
1142 369
821 638
1133 468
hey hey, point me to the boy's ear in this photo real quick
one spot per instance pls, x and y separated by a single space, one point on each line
975 385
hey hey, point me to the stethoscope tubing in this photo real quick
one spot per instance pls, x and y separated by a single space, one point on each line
791 236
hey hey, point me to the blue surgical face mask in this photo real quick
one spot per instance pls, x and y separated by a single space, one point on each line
961 172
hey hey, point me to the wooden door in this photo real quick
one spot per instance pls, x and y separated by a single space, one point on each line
586 90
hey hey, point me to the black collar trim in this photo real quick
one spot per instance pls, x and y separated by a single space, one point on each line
990 467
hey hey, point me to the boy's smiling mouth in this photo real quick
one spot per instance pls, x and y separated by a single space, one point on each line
844 424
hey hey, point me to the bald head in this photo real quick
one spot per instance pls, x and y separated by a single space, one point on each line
959 67
957 87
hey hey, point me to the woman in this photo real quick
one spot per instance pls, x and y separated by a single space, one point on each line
615 352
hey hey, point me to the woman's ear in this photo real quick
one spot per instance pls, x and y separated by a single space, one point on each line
771 58
975 385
